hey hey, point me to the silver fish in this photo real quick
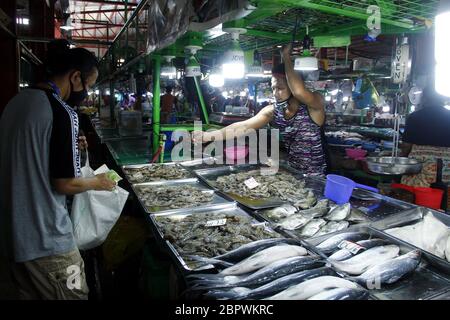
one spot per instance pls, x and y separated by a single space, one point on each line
339 213
306 202
363 261
357 216
332 226
447 250
341 294
331 244
317 211
312 228
264 258
312 287
360 246
390 271
293 222
281 212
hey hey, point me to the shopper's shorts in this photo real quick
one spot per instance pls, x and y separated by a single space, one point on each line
58 277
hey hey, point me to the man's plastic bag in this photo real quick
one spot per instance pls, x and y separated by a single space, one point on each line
94 213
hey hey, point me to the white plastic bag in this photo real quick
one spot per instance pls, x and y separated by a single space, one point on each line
94 213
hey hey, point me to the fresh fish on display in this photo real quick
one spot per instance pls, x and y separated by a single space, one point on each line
264 275
273 287
339 213
390 271
332 226
357 216
281 212
360 246
317 211
312 227
342 294
264 258
331 244
307 202
293 222
367 259
251 248
228 293
312 287
447 250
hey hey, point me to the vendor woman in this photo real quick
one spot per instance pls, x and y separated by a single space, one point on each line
299 114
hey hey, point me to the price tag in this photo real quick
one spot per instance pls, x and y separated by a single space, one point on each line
354 248
251 183
216 223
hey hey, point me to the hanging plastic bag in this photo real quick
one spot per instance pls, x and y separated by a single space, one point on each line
94 213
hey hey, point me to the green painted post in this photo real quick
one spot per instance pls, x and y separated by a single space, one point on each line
202 102
156 103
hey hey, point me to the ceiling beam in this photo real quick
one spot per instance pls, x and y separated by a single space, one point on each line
97 11
338 11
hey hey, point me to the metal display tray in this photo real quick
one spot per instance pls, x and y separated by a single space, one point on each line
229 208
209 176
139 166
425 283
374 205
411 217
217 199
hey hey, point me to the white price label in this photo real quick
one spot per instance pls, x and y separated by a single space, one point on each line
354 248
251 183
216 223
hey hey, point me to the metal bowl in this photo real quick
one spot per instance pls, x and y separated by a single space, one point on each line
393 166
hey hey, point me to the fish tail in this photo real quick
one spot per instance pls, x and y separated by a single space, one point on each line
212 261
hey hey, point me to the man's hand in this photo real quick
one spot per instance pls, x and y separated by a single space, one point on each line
104 183
82 143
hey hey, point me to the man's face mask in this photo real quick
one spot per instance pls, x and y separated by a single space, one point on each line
77 97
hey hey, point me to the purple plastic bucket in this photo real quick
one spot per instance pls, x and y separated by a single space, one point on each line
339 189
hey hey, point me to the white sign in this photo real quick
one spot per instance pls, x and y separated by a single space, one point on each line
216 223
400 65
354 248
251 183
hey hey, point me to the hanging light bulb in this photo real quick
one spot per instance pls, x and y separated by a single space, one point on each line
233 66
168 70
442 48
306 62
193 67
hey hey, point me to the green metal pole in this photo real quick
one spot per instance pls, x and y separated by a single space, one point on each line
156 103
202 102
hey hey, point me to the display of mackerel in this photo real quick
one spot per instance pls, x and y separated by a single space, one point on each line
280 185
174 197
367 259
390 271
312 287
352 249
271 288
264 275
341 294
331 244
264 258
191 236
155 172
